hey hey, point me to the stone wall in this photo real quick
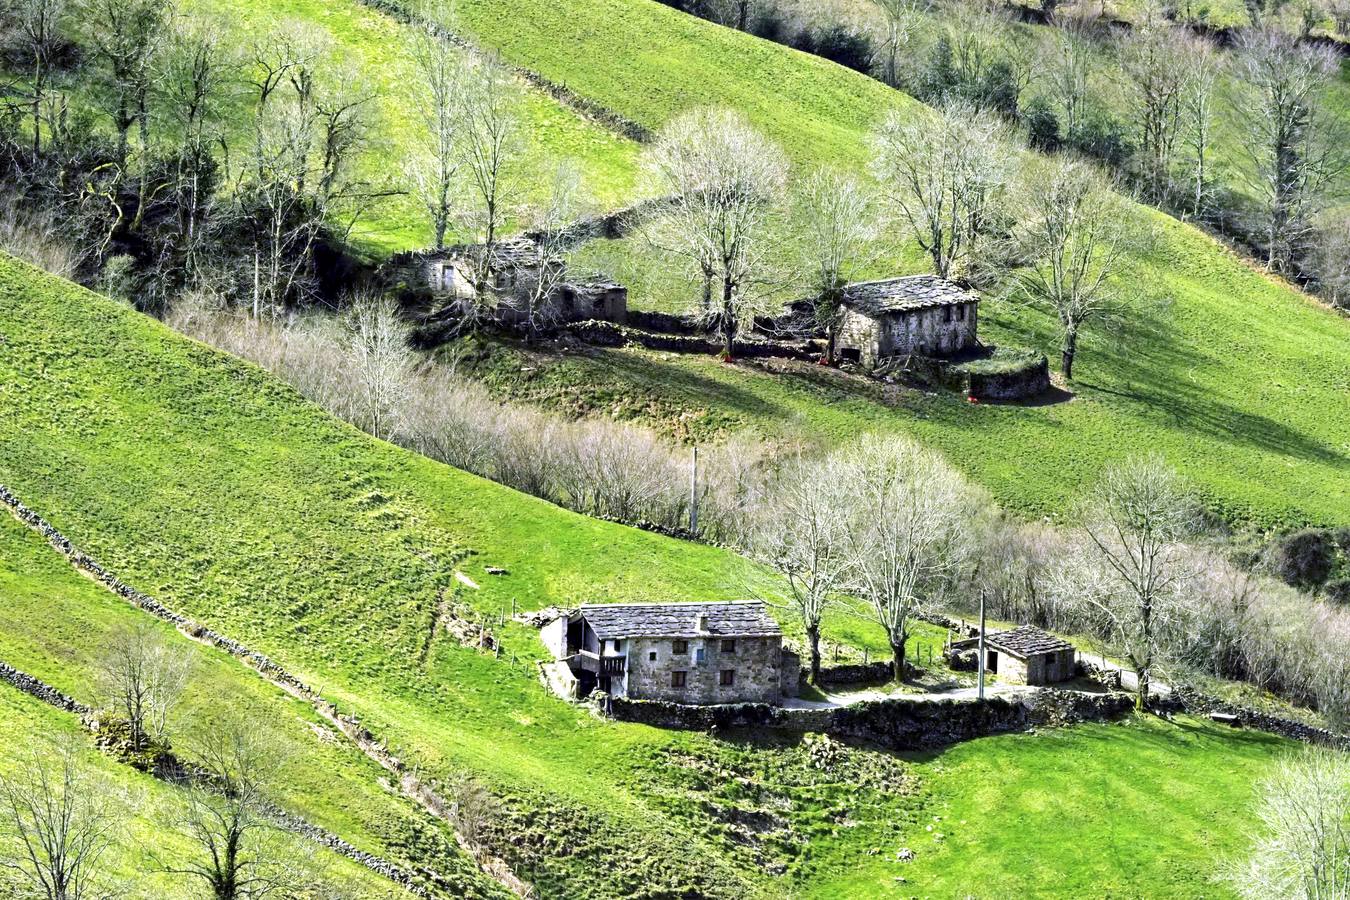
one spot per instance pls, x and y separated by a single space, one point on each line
1030 381
856 673
755 662
896 723
1188 699
609 334
42 691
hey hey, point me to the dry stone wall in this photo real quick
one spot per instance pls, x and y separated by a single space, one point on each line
895 723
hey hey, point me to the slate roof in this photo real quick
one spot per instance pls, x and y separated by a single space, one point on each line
746 618
897 295
1026 640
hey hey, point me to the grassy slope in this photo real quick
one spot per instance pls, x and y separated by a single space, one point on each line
1238 379
144 839
374 53
58 623
210 485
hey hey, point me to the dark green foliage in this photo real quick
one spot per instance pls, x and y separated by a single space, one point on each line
1104 137
998 89
938 78
844 45
1042 126
1338 591
1305 558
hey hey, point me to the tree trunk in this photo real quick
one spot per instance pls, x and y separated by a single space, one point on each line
728 318
813 640
1069 350
898 659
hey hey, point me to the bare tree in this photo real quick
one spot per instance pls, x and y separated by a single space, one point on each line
39 26
944 178
141 678
1154 59
194 80
60 825
727 178
803 535
486 120
1074 233
840 221
907 540
310 122
901 19
548 227
127 35
441 67
1136 520
238 854
377 351
1068 73
1295 138
1340 11
1204 63
1303 849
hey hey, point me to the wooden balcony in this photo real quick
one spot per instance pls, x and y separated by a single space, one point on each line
612 665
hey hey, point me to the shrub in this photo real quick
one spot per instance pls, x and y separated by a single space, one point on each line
845 46
1338 591
1305 558
1042 126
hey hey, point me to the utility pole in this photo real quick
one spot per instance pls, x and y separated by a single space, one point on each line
981 645
693 493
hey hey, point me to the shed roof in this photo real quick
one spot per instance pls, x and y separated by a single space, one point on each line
746 618
900 295
1027 640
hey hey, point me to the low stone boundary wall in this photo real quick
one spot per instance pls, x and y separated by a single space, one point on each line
1028 381
1187 699
897 723
610 334
42 691
855 673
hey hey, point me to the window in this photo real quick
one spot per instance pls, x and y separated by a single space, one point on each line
616 644
727 677
961 312
677 679
698 656
680 647
651 657
946 313
728 646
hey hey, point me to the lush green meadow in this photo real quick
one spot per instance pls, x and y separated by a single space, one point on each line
1237 378
210 485
59 623
145 837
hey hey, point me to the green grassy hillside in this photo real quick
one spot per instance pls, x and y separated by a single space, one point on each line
58 623
144 839
205 482
1239 379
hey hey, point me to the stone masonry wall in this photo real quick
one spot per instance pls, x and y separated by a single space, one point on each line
756 663
896 723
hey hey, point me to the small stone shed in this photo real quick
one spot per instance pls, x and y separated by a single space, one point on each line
920 314
1026 655
697 653
518 267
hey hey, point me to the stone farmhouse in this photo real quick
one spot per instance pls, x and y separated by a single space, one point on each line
920 314
1026 655
696 653
518 269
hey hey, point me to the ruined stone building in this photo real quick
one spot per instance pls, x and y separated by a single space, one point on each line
1026 655
518 269
682 652
920 314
